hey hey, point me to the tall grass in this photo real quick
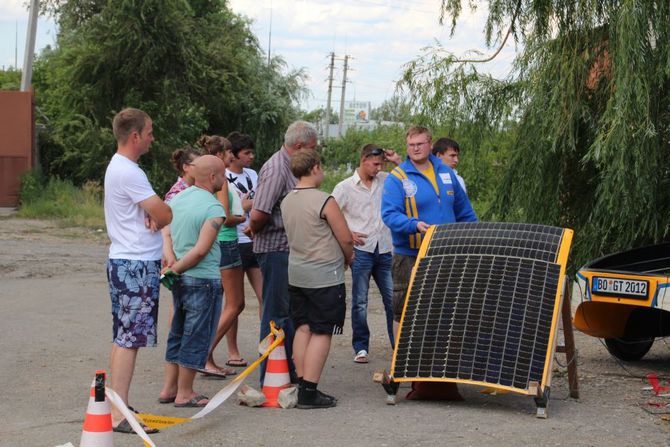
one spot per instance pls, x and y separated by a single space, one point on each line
61 200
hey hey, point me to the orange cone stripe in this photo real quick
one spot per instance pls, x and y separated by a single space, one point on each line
98 423
277 365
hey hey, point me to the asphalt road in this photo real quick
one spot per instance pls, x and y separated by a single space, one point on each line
56 332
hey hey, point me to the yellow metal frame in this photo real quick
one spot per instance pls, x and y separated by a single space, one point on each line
561 259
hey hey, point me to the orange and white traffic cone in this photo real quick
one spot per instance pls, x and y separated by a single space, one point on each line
97 431
276 376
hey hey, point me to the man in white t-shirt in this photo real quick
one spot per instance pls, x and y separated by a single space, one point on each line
133 214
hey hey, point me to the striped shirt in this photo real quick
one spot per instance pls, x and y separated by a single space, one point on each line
275 180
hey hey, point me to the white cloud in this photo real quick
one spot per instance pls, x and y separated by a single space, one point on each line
11 10
379 35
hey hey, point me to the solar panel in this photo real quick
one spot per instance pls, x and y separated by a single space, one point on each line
483 306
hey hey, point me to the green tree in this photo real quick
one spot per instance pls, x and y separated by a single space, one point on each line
10 79
396 109
194 66
585 108
318 115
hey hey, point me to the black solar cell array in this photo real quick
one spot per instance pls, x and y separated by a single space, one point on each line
481 305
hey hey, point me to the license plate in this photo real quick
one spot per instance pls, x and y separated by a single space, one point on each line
619 287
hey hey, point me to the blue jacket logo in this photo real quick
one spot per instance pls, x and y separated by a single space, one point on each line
409 187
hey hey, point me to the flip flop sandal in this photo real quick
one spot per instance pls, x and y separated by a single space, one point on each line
166 400
240 363
124 427
194 402
215 373
228 371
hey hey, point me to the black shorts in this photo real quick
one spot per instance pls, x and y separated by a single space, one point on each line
401 270
247 254
323 309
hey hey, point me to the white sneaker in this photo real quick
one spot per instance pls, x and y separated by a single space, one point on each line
361 356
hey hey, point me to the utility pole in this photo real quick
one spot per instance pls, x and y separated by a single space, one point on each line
330 93
26 76
16 47
270 35
344 85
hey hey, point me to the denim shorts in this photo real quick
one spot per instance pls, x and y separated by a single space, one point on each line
133 289
197 308
230 255
247 255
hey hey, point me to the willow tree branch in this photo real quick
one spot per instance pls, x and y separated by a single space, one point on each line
502 45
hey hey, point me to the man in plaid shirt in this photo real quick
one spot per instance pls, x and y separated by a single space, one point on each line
275 180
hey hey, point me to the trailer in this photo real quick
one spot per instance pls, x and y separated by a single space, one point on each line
624 299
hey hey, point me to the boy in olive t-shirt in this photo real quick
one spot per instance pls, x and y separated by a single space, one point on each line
320 246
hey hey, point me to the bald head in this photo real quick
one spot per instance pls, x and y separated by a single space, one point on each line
209 173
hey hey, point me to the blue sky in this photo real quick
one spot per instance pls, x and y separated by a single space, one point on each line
379 35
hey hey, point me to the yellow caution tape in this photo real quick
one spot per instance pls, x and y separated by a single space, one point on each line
162 422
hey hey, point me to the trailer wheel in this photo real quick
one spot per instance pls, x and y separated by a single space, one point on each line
629 349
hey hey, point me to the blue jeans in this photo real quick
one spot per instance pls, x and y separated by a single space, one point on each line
197 308
274 268
379 267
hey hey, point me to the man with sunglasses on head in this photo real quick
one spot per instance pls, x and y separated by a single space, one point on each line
420 192
359 198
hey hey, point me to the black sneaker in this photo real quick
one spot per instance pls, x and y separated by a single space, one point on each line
319 401
327 396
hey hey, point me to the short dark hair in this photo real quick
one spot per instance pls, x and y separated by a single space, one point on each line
303 162
127 121
441 146
240 141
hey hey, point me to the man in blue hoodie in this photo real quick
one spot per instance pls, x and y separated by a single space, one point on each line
420 192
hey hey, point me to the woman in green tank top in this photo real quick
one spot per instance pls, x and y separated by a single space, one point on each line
232 275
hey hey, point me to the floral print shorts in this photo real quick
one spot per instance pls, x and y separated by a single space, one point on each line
134 287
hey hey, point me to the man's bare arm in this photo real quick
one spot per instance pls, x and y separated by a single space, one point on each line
258 220
338 224
206 239
169 257
159 212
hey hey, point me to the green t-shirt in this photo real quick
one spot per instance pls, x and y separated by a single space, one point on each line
191 208
229 234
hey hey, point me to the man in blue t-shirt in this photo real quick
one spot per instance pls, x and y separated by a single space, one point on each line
197 219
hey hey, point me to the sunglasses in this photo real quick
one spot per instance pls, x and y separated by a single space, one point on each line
376 152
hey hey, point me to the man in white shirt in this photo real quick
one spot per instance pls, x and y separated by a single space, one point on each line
133 214
360 198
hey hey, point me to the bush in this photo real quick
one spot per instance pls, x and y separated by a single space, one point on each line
333 176
60 199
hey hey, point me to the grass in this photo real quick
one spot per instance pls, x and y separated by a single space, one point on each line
60 200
